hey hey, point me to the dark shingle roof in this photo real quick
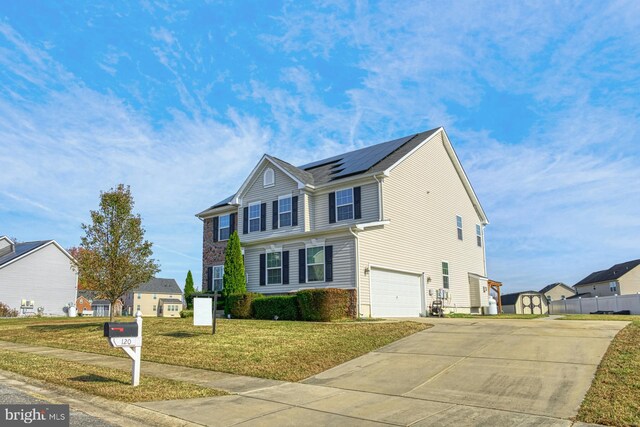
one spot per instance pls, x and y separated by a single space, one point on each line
612 273
160 286
21 249
87 294
553 285
371 159
510 299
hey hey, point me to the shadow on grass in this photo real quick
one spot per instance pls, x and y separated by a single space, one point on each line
181 334
92 378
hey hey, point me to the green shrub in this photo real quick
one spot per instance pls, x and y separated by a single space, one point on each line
6 311
324 305
284 306
186 313
239 306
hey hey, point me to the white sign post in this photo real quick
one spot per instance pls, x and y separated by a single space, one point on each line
129 338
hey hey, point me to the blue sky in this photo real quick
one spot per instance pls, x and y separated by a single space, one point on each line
180 99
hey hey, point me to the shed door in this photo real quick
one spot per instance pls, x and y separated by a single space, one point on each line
531 304
395 294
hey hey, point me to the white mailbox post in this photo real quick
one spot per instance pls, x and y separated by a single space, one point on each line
127 336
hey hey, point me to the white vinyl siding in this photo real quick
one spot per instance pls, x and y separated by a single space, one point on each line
368 207
421 198
43 276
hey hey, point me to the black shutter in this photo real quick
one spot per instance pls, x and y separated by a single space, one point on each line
357 209
328 263
332 208
232 223
294 211
263 217
274 215
285 267
215 228
263 269
302 266
245 220
209 279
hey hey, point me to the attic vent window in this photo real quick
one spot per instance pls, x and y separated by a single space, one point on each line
268 178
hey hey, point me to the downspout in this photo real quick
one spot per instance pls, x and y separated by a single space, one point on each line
357 268
379 198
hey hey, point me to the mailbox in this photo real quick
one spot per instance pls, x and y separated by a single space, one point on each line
118 330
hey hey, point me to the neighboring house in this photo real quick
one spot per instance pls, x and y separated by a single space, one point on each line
398 222
149 298
169 307
88 304
557 291
36 275
621 279
527 302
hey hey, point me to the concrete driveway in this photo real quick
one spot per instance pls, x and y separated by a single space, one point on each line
460 372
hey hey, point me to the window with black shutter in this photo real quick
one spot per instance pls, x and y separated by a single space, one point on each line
302 266
285 267
215 228
294 210
332 208
263 269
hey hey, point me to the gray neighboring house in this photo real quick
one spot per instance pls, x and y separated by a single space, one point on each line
397 222
621 279
37 275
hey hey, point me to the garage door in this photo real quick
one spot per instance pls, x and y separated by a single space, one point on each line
395 294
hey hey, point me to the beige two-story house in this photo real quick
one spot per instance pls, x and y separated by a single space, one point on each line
399 222
621 279
557 291
157 297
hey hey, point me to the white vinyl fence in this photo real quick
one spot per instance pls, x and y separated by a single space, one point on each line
590 305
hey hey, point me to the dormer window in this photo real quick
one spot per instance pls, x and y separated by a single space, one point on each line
268 178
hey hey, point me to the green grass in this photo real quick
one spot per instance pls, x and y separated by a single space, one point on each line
289 351
106 382
600 317
499 316
614 396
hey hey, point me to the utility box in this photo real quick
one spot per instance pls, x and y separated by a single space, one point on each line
120 330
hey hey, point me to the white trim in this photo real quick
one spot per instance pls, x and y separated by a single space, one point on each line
37 249
442 275
353 204
456 163
399 270
259 203
461 228
267 268
264 178
220 228
372 224
290 211
324 263
249 179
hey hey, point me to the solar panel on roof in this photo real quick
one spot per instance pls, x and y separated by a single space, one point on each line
359 160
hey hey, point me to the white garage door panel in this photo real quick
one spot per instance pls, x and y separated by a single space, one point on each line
395 294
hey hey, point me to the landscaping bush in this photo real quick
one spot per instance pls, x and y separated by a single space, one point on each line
6 311
240 306
186 313
324 305
284 306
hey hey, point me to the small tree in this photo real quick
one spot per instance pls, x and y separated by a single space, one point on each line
189 289
234 279
114 258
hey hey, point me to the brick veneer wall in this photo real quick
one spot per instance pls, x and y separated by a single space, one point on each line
212 252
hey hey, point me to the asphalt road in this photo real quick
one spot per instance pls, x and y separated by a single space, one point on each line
11 395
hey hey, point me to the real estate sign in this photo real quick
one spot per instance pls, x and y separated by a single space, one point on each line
202 312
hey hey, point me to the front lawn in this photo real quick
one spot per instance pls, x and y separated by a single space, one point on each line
614 396
106 382
289 351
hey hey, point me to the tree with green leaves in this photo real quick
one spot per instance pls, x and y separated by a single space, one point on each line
114 258
234 279
189 290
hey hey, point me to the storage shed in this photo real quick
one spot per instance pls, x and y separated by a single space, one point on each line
526 302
